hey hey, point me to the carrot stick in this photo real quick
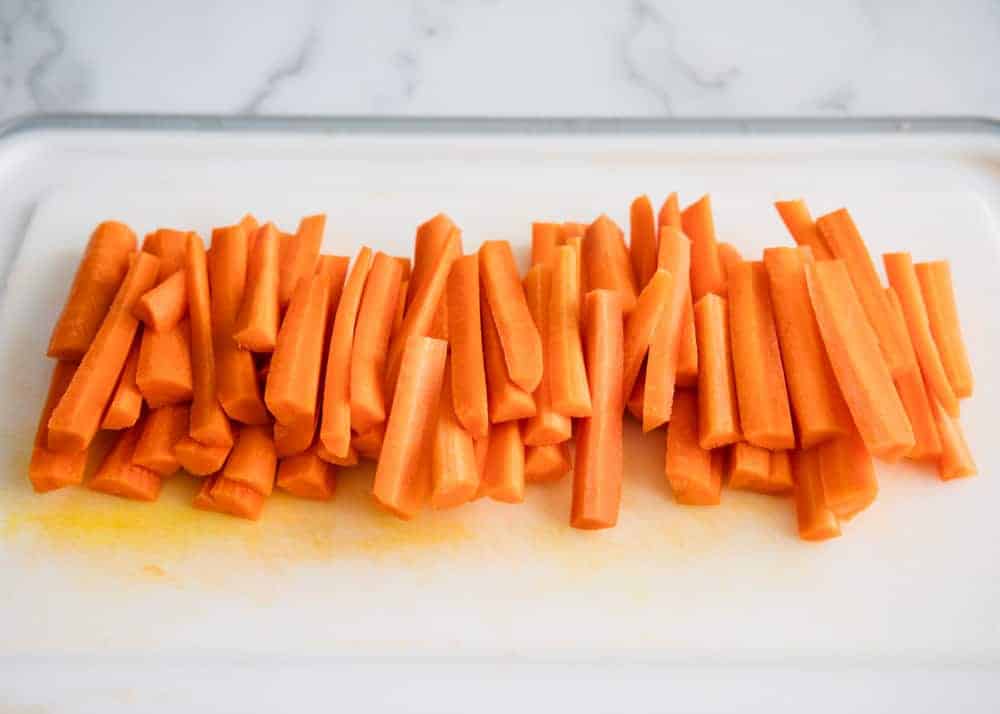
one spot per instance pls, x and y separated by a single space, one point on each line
519 337
760 380
301 256
749 468
506 400
292 388
706 266
76 417
163 306
863 376
781 478
200 459
799 222
606 262
816 520
439 324
336 425
913 393
845 242
641 324
576 243
163 373
294 438
820 411
371 342
670 212
454 476
634 403
162 429
665 350
170 246
256 325
694 474
126 402
234 498
48 469
545 238
369 444
481 448
101 271
406 265
848 475
942 314
118 476
956 460
546 463
643 241
563 350
250 226
597 480
718 414
687 357
503 478
547 426
730 257
903 279
572 229
253 460
397 319
399 478
433 239
352 458
468 374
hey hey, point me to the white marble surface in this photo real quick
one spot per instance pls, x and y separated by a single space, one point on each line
638 58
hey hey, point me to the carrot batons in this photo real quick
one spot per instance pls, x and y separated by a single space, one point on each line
300 256
799 222
606 261
707 275
454 476
670 212
200 459
694 474
760 380
816 520
253 460
433 237
547 426
126 403
352 458
641 324
848 475
400 477
564 352
465 334
782 480
718 414
545 238
234 498
101 271
507 401
161 431
163 307
503 477
956 459
118 476
76 417
306 475
163 373
643 240
170 246
819 408
50 470
546 463
291 439
749 467
687 356
256 325
730 257
942 314
597 480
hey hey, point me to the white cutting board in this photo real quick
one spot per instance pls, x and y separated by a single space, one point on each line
913 579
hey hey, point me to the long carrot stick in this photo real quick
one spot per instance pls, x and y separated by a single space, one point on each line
760 379
816 521
162 307
200 459
126 402
506 400
454 476
234 498
643 240
119 476
853 348
956 460
597 479
400 483
546 463
718 413
547 426
670 212
706 267
306 475
694 474
641 324
253 460
563 349
606 261
300 257
164 373
48 469
801 226
77 416
939 299
545 238
687 355
848 475
170 246
101 271
819 408
749 467
432 242
161 430
256 325
465 332
503 477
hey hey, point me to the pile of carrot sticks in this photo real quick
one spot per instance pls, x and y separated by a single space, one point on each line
262 362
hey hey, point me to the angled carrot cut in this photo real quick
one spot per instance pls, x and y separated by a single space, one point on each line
503 477
706 267
200 459
570 392
126 402
352 458
801 226
641 324
253 460
730 257
433 240
670 212
465 331
161 430
306 475
545 238
606 261
256 325
643 240
694 474
942 314
234 498
170 246
49 470
506 400
369 444
547 426
816 520
718 413
749 467
300 256
163 372
848 475
546 463
956 459
454 476
118 476
162 307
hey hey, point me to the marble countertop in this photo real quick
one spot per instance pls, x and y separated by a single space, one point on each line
486 57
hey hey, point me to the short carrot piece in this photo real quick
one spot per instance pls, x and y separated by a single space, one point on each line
465 332
563 348
170 246
294 438
200 459
164 373
816 520
694 474
848 475
454 476
545 238
543 464
49 470
641 324
118 476
643 241
765 415
352 458
547 426
503 479
401 483
939 299
162 307
506 400
126 402
253 460
718 413
161 431
98 277
76 417
706 267
956 460
749 468
801 226
256 325
300 256
597 479
433 239
235 498
670 212
606 262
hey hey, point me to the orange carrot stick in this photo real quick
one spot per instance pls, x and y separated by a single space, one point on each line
718 414
760 379
576 243
643 240
468 374
352 458
301 256
118 476
256 325
799 222
406 265
545 238
506 400
572 229
336 427
903 279
848 475
547 426
694 474
670 212
48 469
371 342
163 373
546 463
749 468
641 324
503 478
397 319
250 226
606 262
126 402
634 403
253 460
162 429
939 299
819 408
400 480
730 257
706 267
101 271
76 417
781 478
863 376
845 242
162 307
439 325
481 448
432 241
816 520
294 438
170 246
234 498
454 476
956 460
369 444
200 459
597 480
306 475
687 356
563 350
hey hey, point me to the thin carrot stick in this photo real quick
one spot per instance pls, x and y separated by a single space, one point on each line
76 417
848 475
730 257
253 460
170 246
547 426
235 498
597 480
670 212
687 356
454 476
816 521
163 373
119 476
718 414
162 429
256 325
634 403
162 307
606 262
506 400
126 402
563 349
546 463
942 314
694 474
301 256
294 438
749 467
576 243
956 460
406 265
200 459
101 271
781 479
800 224
503 478
641 324
643 240
545 238
706 267
48 469
432 241
468 374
